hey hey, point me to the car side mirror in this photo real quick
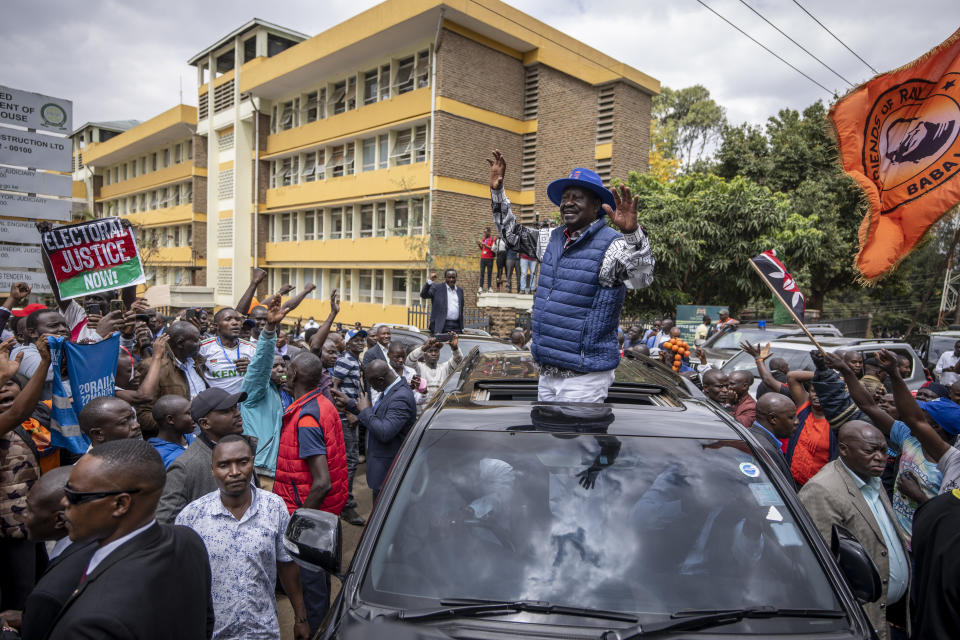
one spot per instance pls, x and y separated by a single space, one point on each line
313 538
855 563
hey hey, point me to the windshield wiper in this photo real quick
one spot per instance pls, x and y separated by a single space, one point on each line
695 620
471 607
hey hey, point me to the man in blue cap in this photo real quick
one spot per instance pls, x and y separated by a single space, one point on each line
586 267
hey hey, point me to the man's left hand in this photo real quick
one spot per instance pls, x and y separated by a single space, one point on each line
301 631
625 215
363 402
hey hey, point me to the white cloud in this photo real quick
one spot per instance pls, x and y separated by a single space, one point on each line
124 59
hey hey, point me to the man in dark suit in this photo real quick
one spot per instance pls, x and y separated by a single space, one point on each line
44 521
387 423
776 419
447 312
378 351
144 580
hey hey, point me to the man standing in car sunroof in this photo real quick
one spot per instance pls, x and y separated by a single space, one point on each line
586 266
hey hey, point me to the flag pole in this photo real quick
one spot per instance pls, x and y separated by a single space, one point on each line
787 307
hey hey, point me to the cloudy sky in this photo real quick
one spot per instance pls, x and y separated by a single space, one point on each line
121 59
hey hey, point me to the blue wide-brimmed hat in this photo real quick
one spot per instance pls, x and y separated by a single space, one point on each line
581 177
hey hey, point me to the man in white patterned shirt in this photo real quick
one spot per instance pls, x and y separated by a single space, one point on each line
242 528
586 267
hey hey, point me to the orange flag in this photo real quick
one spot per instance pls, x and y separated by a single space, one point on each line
899 138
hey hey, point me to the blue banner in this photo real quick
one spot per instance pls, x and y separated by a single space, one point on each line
92 369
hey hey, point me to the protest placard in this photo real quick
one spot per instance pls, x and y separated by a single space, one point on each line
88 257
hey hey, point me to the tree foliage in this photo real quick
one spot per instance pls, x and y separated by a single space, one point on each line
686 123
703 230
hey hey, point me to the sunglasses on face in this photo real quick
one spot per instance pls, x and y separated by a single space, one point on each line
79 497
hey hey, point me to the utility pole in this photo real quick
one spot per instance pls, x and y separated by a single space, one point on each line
951 280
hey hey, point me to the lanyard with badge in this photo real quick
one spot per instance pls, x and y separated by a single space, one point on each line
226 355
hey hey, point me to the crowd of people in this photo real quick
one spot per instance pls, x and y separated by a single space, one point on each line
226 423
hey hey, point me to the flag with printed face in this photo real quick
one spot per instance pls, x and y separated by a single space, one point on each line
780 281
899 139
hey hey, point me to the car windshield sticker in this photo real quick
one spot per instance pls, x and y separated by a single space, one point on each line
749 469
773 515
787 534
765 494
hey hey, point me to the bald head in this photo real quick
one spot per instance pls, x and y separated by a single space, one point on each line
778 364
777 414
863 449
108 418
304 373
379 374
131 463
43 516
739 384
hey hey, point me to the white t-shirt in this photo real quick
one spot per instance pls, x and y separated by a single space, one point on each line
949 465
219 368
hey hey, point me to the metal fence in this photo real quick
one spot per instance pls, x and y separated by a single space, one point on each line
418 315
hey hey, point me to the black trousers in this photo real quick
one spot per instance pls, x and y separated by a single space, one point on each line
513 270
21 563
501 265
451 326
486 264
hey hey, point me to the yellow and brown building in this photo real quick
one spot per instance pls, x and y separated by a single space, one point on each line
354 159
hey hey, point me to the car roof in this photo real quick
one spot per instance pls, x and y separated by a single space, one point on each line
834 343
497 391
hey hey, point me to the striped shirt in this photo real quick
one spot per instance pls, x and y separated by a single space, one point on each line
347 371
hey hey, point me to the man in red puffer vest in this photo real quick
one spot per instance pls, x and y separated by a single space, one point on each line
311 464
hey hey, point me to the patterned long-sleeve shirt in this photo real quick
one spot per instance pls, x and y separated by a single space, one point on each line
628 259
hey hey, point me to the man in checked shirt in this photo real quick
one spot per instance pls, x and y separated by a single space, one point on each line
585 269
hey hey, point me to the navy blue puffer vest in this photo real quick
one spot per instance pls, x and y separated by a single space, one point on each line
575 319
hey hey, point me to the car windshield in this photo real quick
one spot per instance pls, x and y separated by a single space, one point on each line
796 358
939 345
466 344
645 525
732 339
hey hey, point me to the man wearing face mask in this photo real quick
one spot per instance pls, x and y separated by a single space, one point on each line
585 270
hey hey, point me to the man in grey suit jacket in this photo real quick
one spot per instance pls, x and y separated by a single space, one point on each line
387 423
848 492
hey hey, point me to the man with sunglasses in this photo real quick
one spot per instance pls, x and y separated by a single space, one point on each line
111 498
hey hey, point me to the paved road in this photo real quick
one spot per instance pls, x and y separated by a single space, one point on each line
351 538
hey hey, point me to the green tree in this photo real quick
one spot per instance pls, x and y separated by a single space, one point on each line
686 123
703 229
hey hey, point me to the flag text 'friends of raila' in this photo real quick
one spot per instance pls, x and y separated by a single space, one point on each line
899 139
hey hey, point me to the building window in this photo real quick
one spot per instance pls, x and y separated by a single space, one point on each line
422 71
276 44
384 81
338 97
349 160
309 225
288 171
366 285
420 143
287 115
401 148
401 213
250 49
189 145
366 221
124 173
348 222
336 223
369 146
177 154
143 164
312 106
384 151
309 173
225 62
370 88
378 286
188 193
285 227
416 217
335 164
404 80
153 162
399 293
380 221
345 284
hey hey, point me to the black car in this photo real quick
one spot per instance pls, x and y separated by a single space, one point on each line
651 514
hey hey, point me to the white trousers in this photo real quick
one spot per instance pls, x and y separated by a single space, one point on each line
590 387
